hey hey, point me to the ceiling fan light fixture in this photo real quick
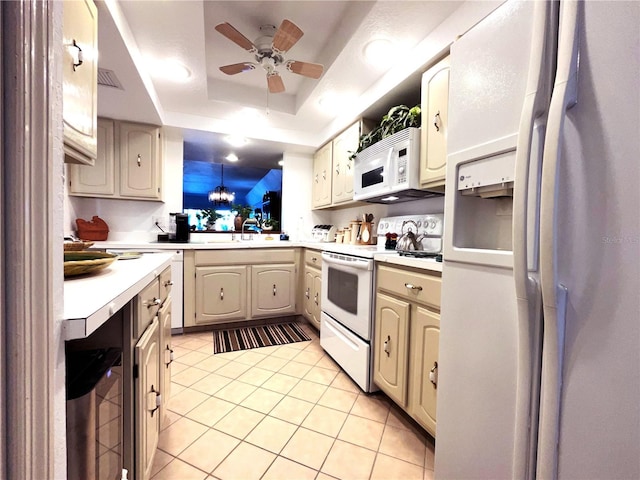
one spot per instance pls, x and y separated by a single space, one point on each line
379 52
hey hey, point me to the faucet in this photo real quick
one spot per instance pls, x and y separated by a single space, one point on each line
250 221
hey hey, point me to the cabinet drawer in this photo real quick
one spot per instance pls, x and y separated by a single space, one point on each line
165 284
148 301
245 256
313 258
426 288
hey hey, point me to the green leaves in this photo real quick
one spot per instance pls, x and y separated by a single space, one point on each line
398 118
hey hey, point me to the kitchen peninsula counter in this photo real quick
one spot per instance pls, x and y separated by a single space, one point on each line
90 300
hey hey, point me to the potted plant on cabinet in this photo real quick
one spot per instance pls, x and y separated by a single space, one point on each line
242 213
209 217
270 224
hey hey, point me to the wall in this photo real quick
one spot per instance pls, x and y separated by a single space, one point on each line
133 219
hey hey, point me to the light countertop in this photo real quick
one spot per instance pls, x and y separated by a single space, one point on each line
89 301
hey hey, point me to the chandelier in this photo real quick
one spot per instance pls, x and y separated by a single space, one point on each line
221 194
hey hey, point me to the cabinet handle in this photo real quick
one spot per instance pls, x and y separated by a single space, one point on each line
349 164
168 356
221 293
77 61
274 289
154 302
315 299
387 348
410 286
139 160
433 375
168 283
316 178
338 169
324 174
436 121
154 399
314 259
306 294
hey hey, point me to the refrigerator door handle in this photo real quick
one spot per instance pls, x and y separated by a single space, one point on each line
532 118
554 294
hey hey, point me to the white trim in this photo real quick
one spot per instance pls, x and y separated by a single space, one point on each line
31 250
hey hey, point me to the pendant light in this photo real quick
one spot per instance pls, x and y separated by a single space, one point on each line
221 195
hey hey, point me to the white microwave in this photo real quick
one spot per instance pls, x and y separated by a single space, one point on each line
389 171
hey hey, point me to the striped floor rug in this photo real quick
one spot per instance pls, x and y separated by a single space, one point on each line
251 337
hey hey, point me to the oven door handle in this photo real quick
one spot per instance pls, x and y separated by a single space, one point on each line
356 264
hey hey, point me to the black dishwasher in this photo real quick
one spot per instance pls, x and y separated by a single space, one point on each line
94 414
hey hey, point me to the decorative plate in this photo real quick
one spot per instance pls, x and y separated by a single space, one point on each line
129 255
81 263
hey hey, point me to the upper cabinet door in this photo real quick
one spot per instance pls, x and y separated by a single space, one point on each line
322 176
80 81
98 179
139 164
343 145
435 119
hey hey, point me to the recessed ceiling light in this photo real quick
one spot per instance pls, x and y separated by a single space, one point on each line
236 140
171 69
232 157
379 52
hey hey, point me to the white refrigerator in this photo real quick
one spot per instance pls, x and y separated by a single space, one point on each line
539 368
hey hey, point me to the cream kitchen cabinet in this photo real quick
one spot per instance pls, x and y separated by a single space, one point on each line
80 81
152 357
273 290
333 167
407 327
128 165
221 294
342 171
312 286
435 120
239 284
321 189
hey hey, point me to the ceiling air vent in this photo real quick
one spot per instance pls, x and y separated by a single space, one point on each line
107 78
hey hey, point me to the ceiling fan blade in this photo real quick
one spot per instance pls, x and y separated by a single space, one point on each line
287 36
274 81
237 68
236 37
311 70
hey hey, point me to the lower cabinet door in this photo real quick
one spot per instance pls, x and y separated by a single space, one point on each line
390 349
221 294
166 357
273 290
147 399
317 291
425 335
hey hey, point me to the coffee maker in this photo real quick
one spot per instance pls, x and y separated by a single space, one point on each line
182 230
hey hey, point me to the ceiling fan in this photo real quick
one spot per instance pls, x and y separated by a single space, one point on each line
269 50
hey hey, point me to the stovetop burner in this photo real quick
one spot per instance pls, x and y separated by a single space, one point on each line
420 254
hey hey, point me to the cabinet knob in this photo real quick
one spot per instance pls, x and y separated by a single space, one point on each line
316 178
306 294
77 60
139 160
315 299
433 375
221 293
324 174
274 289
338 169
168 356
410 286
387 345
154 302
436 121
168 283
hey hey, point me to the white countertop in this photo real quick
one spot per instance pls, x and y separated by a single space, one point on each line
367 251
89 301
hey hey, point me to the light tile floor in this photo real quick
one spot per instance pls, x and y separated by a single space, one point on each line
281 413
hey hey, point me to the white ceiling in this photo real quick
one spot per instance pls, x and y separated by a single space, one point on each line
133 33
